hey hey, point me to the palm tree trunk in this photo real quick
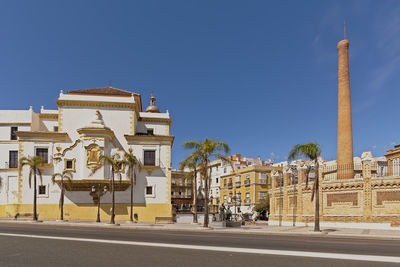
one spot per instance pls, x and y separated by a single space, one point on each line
195 197
206 219
132 179
316 217
35 218
112 221
62 201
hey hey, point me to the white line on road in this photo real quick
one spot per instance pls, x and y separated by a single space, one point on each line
337 256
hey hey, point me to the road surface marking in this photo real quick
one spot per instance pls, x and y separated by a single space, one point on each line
310 254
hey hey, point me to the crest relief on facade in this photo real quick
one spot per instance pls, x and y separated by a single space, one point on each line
93 154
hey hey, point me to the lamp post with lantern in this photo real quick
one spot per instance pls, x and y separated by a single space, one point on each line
98 192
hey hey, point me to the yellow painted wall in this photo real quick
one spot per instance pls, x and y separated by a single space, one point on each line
254 173
88 212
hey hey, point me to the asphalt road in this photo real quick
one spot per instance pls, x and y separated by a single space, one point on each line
21 245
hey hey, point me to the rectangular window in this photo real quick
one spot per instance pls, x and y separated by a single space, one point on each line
149 158
13 159
237 180
247 180
43 153
150 131
247 198
13 136
150 191
238 197
216 180
263 178
42 190
224 182
69 164
262 196
55 128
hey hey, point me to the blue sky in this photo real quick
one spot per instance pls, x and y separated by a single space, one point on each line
259 75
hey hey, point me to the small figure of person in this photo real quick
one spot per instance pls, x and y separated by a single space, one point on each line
228 214
222 212
254 217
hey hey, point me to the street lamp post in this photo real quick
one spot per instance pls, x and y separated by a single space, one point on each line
99 193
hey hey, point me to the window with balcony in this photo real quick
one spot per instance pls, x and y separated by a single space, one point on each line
150 158
262 196
238 197
247 180
13 136
230 182
224 182
263 178
237 180
43 153
247 198
13 159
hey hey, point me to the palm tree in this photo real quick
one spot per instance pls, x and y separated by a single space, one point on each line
66 174
116 164
34 163
131 161
311 151
191 162
206 150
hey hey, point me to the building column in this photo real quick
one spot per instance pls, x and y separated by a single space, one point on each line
301 172
366 159
274 184
287 172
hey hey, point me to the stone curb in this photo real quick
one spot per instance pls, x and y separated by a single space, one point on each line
166 227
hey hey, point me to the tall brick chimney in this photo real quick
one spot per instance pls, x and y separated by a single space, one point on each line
345 136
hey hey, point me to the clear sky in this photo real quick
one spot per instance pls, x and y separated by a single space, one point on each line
259 75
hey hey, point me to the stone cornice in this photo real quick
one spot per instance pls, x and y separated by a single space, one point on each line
48 116
15 123
39 134
102 104
166 120
342 186
89 131
150 138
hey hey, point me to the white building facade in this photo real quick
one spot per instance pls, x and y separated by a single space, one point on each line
88 123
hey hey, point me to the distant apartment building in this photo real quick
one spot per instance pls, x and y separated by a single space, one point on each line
243 188
219 168
182 191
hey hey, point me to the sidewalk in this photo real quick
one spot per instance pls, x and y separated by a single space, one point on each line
214 227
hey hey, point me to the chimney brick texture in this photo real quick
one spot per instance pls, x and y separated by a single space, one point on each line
345 166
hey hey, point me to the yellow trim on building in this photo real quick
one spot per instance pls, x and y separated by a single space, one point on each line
145 212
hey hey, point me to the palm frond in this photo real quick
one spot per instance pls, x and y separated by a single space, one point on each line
193 144
309 150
